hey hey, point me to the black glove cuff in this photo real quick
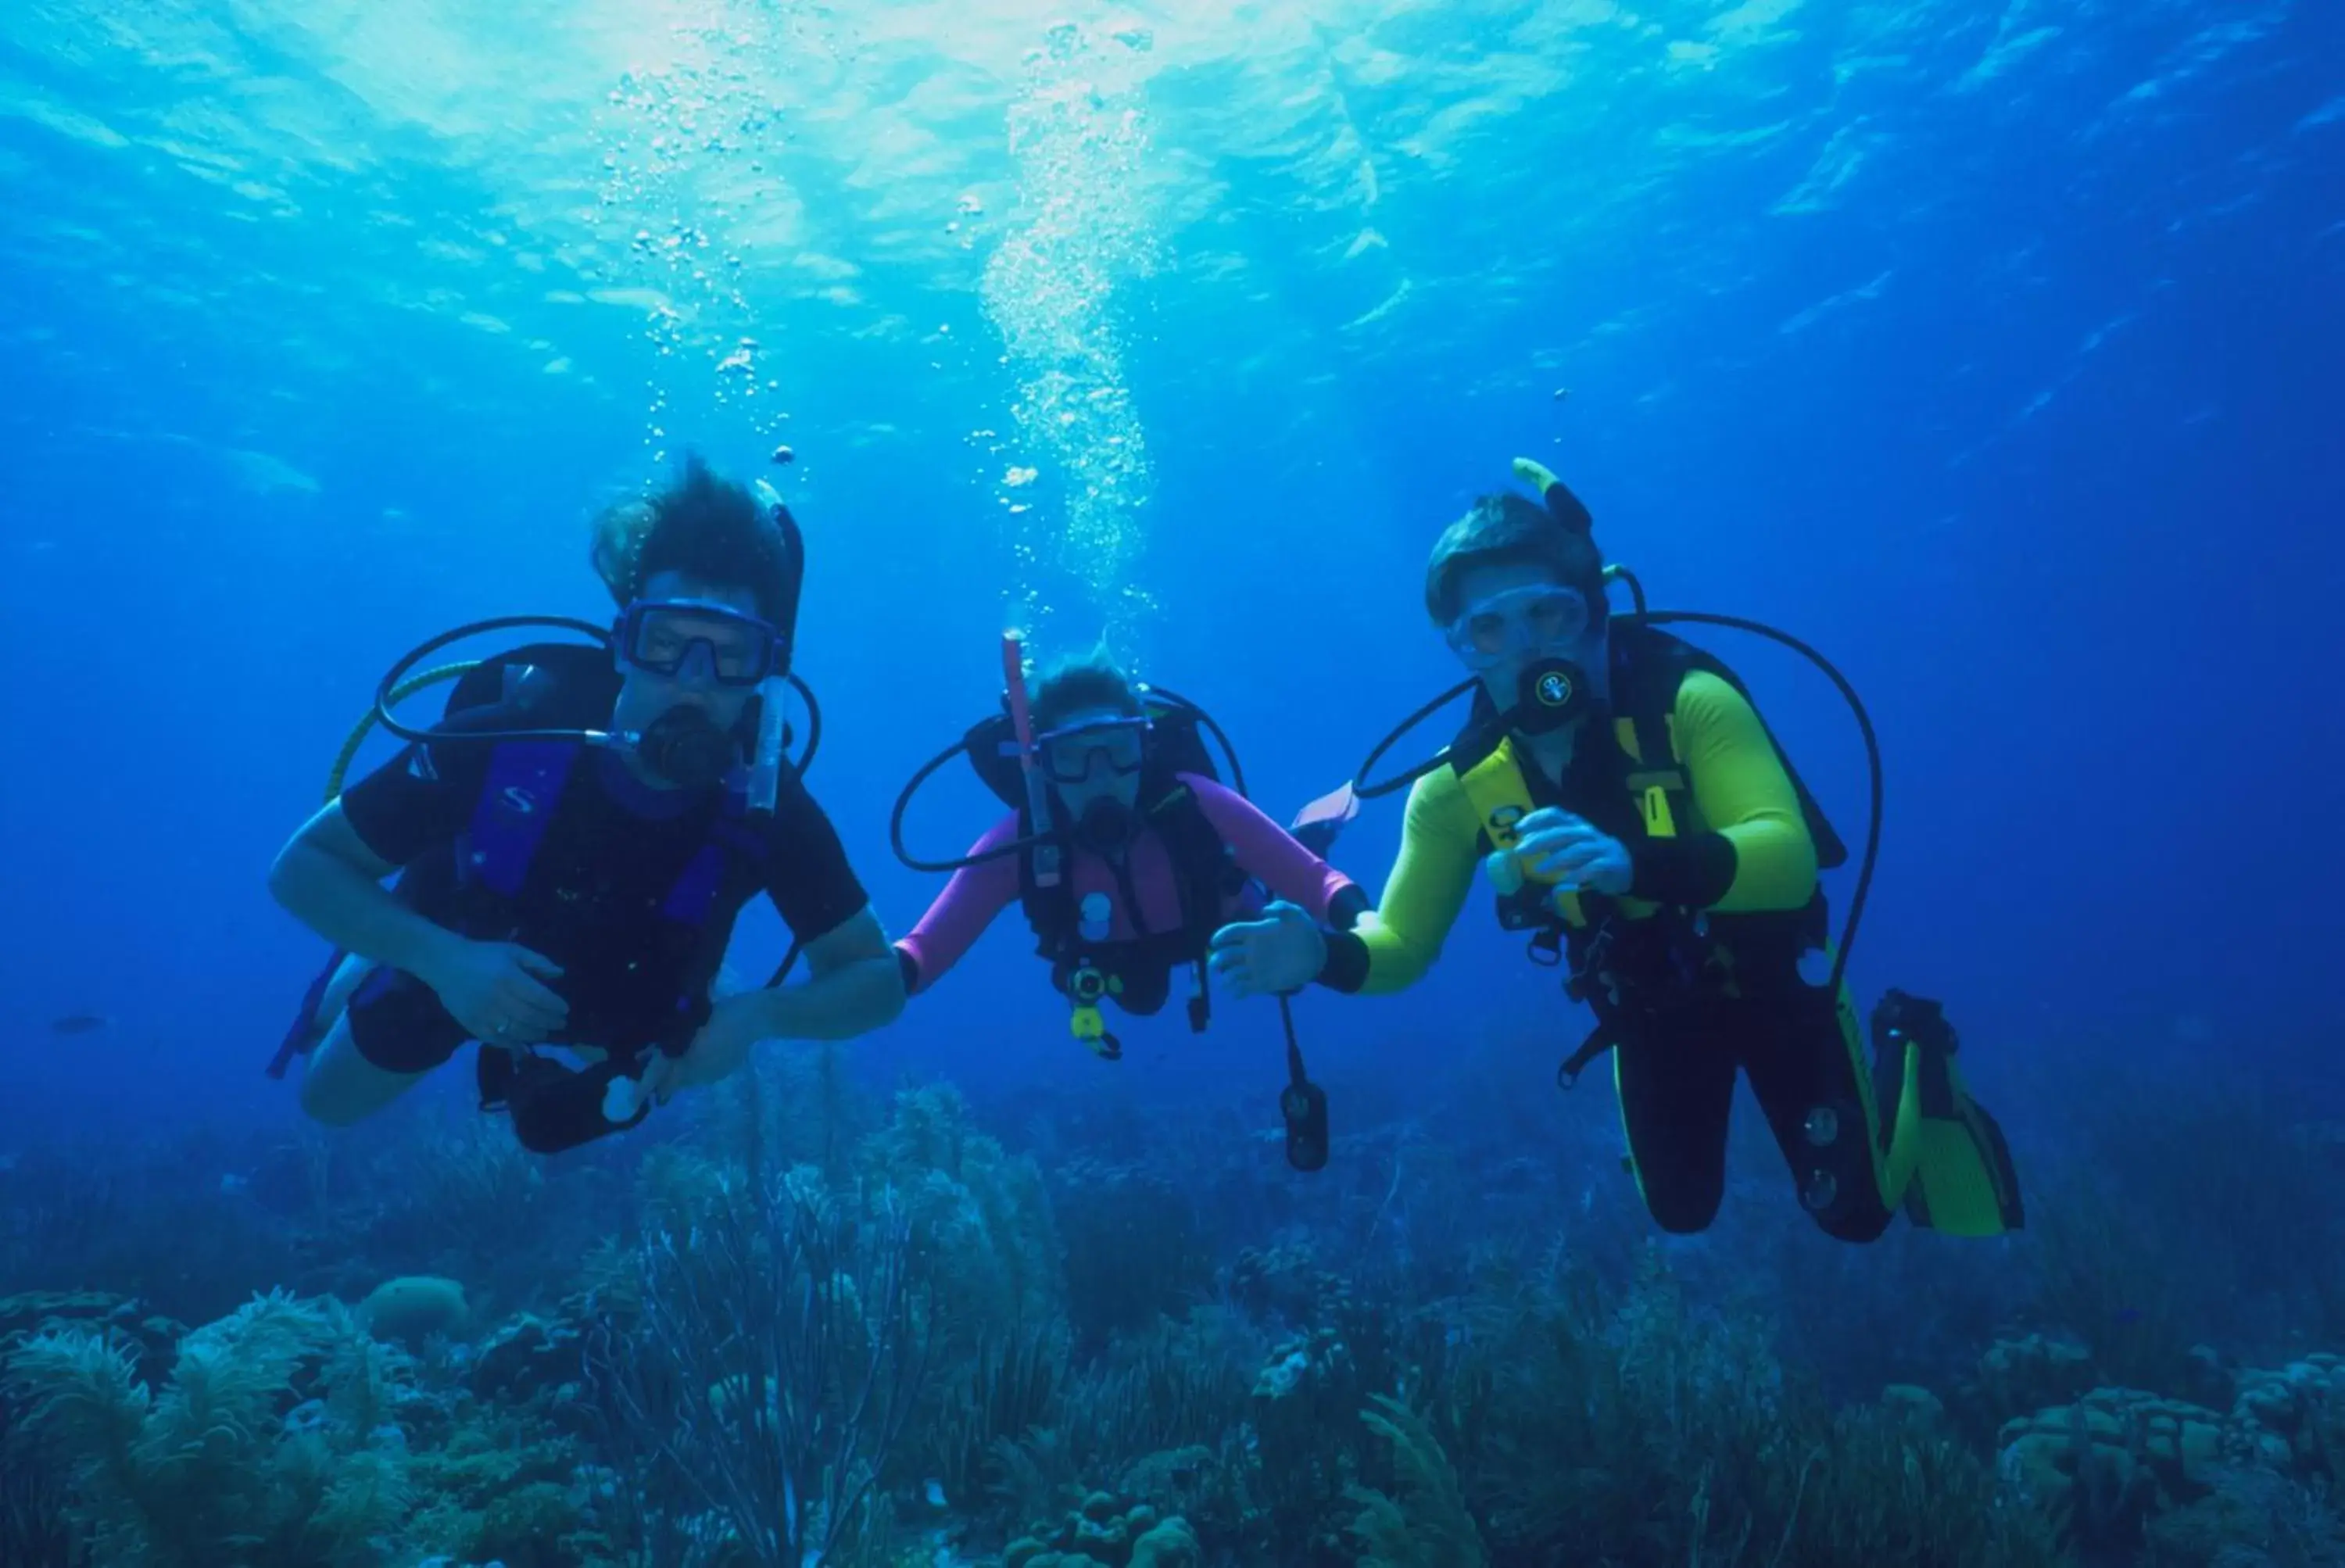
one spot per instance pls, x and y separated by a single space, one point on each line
1347 966
1694 872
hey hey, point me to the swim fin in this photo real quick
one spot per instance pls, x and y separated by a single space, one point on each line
1946 1160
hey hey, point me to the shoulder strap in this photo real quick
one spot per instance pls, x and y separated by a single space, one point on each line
1202 867
1498 789
1050 911
542 686
1205 872
1648 667
1494 784
520 794
547 686
1479 736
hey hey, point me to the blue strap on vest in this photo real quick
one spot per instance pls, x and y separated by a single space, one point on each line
525 782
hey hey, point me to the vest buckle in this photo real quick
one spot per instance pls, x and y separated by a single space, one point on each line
1092 1029
1085 987
1546 947
1585 978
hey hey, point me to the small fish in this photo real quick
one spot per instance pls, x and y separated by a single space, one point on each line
1562 394
79 1023
784 454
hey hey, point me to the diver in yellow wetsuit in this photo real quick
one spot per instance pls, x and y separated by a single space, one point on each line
1634 814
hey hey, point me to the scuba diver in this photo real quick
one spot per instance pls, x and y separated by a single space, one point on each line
1634 814
1127 852
575 841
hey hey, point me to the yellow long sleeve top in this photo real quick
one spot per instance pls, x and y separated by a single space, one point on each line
1749 848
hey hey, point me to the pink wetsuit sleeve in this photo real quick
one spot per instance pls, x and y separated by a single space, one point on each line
962 911
1267 850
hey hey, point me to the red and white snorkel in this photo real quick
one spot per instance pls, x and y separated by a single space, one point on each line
1038 791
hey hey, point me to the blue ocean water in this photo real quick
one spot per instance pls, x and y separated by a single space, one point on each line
1996 353
1995 349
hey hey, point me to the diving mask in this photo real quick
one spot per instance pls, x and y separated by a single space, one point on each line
1520 622
699 639
1068 754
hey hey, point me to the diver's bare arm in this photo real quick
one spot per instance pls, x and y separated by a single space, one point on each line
331 882
855 985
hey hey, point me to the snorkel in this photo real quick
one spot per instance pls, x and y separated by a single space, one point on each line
1166 731
1013 758
1030 762
765 755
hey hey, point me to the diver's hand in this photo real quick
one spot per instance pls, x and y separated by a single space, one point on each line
494 990
1554 846
719 1050
1284 951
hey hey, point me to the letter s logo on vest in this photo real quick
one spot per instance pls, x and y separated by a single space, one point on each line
518 800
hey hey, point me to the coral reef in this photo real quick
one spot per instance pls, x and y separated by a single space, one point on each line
1133 1248
807 1323
979 1213
2247 1519
275 1441
529 1357
506 1488
411 1308
2294 1417
778 1351
1285 1285
1104 1532
2033 1373
2118 1463
1427 1525
38 1523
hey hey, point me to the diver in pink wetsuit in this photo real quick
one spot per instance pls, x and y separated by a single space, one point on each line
1122 845
1136 889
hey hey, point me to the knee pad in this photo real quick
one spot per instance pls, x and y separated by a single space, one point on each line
1838 1180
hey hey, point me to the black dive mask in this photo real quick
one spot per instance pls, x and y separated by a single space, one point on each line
684 746
1106 826
1549 694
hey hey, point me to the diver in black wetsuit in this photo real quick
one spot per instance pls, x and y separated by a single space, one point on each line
574 843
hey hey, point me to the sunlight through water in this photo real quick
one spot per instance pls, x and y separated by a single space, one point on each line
1079 131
